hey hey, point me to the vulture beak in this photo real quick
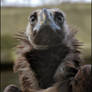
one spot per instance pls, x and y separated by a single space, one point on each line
45 20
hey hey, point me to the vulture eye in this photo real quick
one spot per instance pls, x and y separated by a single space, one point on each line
59 17
33 18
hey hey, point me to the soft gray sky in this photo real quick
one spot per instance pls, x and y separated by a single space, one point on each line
36 2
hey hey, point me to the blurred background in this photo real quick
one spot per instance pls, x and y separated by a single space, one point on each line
14 17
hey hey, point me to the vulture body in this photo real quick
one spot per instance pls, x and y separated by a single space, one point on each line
48 57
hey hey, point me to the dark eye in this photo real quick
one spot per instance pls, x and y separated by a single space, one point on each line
33 18
59 17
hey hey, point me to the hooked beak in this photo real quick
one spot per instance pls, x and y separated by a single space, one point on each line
46 20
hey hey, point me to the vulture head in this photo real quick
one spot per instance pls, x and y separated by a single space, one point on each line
46 27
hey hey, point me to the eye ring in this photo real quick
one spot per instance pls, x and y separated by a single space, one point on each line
33 18
59 17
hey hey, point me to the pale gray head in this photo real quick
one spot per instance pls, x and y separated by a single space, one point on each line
46 27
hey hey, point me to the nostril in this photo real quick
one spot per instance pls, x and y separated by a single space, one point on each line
50 14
